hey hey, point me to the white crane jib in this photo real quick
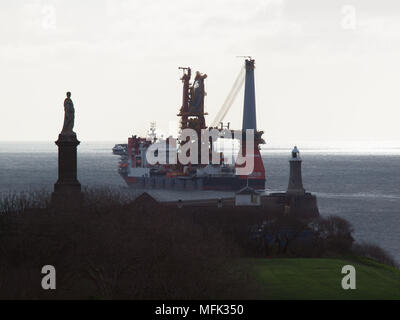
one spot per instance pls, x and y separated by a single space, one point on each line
237 85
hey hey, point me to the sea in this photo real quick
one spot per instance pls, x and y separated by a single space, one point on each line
362 186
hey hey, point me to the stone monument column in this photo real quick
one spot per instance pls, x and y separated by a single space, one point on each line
67 165
67 190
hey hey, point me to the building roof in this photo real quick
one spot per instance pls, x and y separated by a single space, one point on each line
247 190
146 199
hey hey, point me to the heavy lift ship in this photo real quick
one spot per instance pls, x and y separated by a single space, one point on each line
137 172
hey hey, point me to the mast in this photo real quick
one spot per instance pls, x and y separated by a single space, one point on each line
192 109
250 123
183 113
249 106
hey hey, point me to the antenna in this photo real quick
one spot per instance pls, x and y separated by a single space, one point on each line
247 57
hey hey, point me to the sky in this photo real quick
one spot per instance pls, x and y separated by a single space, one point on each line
326 71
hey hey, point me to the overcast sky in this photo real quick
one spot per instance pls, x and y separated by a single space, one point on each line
325 70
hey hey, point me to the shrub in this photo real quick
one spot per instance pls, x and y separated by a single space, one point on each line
20 201
332 235
374 252
118 251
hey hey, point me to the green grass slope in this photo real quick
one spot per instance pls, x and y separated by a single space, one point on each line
321 279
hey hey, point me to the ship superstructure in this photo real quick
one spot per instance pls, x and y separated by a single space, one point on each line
138 171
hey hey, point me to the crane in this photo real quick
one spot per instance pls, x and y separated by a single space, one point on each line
237 85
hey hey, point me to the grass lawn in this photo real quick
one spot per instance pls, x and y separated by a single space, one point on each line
296 278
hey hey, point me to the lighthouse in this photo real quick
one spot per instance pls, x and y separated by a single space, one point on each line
295 186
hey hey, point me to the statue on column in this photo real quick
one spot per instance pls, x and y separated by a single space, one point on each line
67 190
69 116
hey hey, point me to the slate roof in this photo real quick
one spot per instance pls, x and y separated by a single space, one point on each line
247 190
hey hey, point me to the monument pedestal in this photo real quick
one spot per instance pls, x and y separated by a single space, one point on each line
67 193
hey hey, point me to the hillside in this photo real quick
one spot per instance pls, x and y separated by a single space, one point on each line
321 279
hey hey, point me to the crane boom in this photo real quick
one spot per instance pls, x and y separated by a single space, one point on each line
237 85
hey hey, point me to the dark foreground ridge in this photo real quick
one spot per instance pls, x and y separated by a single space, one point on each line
113 247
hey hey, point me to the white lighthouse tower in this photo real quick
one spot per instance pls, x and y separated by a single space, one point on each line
295 187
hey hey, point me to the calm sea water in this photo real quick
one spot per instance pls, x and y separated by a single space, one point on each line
364 188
